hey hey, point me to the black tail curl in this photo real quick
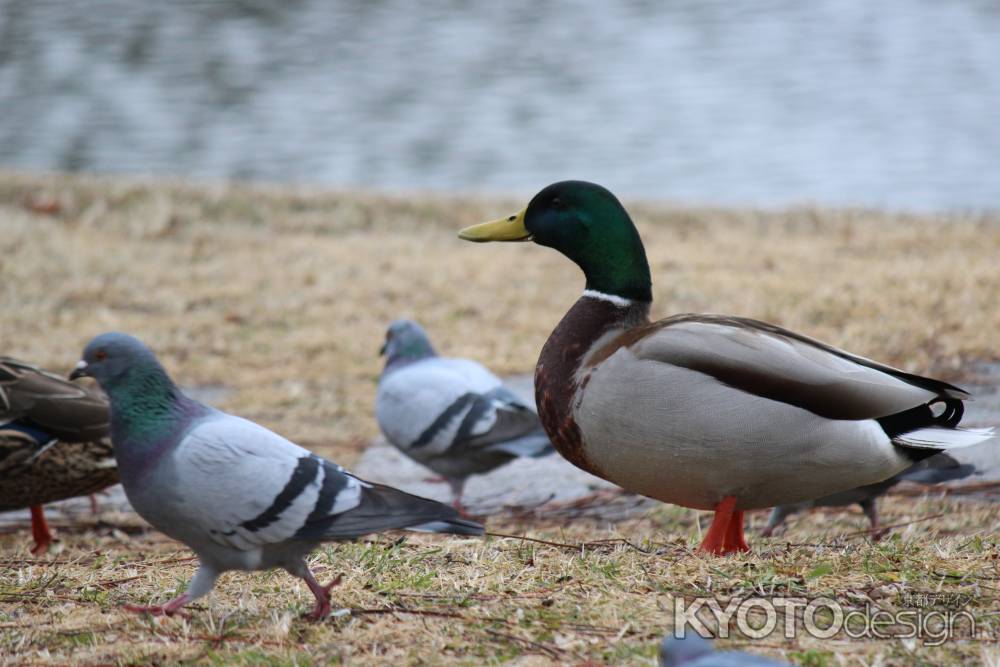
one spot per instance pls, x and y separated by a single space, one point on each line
923 416
949 415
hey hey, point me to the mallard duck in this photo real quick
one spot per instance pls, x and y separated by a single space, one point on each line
54 443
936 469
452 415
711 412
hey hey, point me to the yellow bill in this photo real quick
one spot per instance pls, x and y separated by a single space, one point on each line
510 228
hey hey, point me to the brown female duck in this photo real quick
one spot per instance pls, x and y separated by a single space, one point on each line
54 443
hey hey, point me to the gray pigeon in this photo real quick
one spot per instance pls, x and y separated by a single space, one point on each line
452 415
694 651
933 470
241 496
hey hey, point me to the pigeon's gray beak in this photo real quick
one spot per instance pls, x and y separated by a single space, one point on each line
381 350
79 371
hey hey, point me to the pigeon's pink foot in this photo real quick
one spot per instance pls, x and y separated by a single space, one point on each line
871 511
39 531
460 508
93 503
322 593
877 532
168 609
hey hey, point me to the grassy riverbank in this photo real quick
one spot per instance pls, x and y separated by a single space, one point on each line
280 296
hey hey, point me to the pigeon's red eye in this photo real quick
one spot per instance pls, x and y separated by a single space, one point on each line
100 355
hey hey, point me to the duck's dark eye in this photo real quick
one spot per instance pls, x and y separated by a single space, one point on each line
100 355
558 203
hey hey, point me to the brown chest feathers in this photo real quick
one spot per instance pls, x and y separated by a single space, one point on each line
556 384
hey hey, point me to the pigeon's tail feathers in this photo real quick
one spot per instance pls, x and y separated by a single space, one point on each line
942 438
385 508
941 475
452 526
532 446
937 469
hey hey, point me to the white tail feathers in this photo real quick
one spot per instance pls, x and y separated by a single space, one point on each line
943 438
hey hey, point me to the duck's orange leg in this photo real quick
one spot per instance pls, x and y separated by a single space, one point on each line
734 537
715 538
40 531
725 535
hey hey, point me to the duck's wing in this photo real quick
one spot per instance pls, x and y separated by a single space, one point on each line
764 361
62 409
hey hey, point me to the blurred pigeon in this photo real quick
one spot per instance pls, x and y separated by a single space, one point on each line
934 470
54 443
694 651
241 496
451 415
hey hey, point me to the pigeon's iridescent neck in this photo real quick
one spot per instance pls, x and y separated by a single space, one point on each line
148 416
417 351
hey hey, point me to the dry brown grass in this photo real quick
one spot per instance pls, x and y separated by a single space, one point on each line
282 295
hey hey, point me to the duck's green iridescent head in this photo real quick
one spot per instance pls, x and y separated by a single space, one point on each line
585 222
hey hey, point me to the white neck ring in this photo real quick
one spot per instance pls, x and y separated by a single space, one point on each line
619 301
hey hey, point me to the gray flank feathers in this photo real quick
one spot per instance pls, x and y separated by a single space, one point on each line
934 470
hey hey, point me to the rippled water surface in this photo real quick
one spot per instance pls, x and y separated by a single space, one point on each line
894 103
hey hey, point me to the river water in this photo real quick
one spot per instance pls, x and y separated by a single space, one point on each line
890 104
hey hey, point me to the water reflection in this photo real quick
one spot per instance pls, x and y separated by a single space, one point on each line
886 104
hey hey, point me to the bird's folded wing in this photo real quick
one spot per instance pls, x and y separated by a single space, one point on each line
769 362
247 486
494 418
422 407
63 409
